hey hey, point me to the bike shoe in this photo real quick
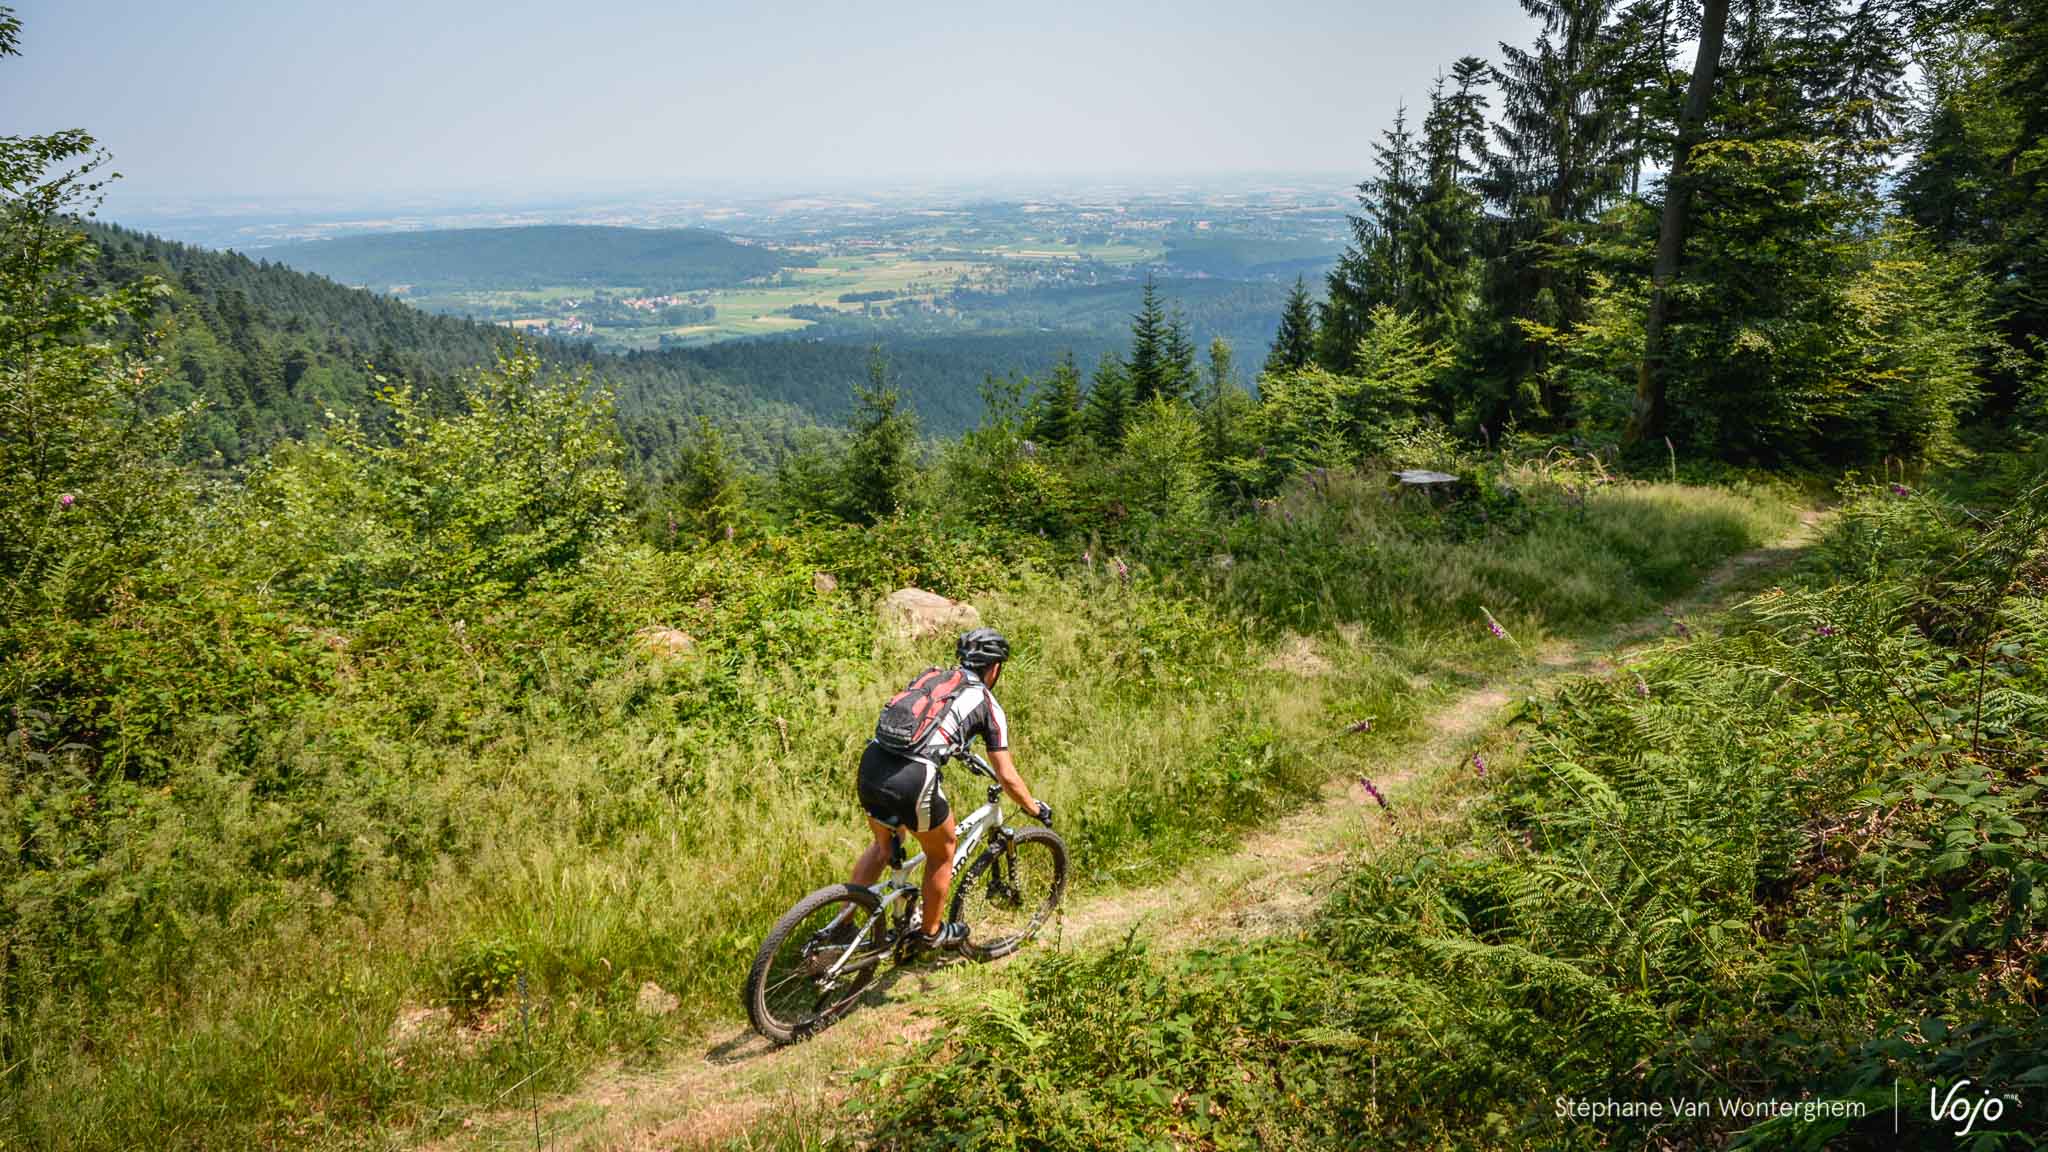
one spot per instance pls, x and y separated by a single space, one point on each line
949 937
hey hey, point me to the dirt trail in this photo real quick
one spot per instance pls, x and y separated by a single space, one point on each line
734 1081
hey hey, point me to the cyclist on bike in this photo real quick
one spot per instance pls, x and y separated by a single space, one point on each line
903 790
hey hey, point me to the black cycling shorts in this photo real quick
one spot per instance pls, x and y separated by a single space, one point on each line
896 789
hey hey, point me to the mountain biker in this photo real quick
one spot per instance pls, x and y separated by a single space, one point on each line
904 789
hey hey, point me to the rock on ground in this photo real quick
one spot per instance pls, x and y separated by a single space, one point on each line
1297 654
654 1001
913 613
416 1023
658 641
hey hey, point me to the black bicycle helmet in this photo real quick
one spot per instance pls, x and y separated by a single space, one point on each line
981 648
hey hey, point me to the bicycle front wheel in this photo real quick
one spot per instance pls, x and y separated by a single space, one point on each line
1010 891
804 978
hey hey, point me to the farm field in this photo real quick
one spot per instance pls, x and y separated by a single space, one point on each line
893 273
873 283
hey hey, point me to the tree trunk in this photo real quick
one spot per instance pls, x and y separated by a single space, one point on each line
1648 419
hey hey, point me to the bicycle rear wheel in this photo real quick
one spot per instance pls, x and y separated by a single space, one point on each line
791 992
1010 891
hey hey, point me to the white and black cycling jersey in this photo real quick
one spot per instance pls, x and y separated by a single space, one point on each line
974 712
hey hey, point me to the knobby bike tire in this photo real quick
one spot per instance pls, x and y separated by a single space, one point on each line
784 1025
1032 849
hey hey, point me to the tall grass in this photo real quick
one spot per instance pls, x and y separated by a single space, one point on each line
499 806
1543 554
1800 861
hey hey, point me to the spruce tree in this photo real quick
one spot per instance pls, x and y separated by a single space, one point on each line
1559 164
703 494
1177 356
880 459
1148 365
1107 412
1294 346
1442 258
1225 407
1373 270
1056 410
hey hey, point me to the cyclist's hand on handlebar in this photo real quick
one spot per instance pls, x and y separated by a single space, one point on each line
1044 813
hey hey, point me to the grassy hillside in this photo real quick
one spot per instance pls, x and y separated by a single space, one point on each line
371 735
541 256
1800 860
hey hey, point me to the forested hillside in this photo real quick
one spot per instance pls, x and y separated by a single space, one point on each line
268 353
655 259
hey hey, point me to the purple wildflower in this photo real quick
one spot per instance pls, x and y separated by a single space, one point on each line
1901 490
1493 626
1122 570
1642 688
66 499
1479 765
1373 792
1088 558
1824 631
1684 632
1364 725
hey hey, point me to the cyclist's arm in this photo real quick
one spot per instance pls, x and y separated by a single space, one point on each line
1006 775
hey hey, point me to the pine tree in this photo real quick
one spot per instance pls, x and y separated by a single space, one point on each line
703 494
1559 164
1107 412
1373 270
1639 46
1148 371
1294 346
1225 407
1442 257
1649 416
879 453
1056 410
1177 358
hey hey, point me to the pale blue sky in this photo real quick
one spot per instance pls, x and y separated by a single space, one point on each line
357 98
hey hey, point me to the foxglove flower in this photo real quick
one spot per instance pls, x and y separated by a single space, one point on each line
1479 765
66 499
1824 631
1901 490
1373 792
1642 688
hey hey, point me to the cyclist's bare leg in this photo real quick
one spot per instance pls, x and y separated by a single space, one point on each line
868 868
938 845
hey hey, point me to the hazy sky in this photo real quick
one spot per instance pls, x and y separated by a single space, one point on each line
356 98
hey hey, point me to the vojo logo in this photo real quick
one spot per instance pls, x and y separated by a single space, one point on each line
1965 1108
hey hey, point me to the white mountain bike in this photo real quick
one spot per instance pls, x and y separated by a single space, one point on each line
822 954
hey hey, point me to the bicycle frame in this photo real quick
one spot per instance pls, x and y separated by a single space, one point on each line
897 885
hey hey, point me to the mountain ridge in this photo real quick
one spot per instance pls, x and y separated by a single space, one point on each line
537 255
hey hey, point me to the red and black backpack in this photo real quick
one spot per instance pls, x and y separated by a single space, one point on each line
909 715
